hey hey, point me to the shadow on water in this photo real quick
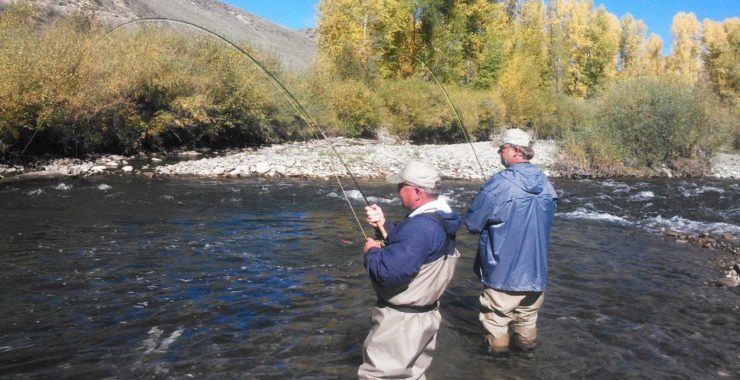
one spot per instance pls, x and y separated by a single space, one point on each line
138 278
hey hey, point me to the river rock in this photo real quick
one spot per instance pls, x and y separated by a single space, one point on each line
189 154
261 168
280 169
127 169
730 282
725 165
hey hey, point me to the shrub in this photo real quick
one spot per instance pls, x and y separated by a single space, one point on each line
418 111
70 89
482 112
646 123
654 121
355 107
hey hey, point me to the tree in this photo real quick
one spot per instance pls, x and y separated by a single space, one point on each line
652 61
631 44
345 28
525 81
684 61
722 56
396 37
585 44
558 46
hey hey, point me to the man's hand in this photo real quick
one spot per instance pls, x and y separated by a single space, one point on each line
374 215
371 243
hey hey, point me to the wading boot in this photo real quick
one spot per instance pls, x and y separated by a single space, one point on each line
497 346
525 340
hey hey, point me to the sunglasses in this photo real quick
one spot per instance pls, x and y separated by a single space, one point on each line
402 184
502 147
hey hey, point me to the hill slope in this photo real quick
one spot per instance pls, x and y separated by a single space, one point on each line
295 49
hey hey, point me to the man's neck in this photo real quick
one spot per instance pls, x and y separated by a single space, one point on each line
517 160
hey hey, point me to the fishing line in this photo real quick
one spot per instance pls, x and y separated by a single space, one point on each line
454 110
291 99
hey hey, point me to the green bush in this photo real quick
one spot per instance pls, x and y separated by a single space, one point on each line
418 111
655 121
482 112
355 107
643 124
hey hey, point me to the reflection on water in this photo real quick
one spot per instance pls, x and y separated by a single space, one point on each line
137 278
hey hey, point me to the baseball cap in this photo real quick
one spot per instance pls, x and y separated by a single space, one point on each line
515 136
417 173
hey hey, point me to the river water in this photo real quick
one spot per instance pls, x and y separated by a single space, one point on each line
128 277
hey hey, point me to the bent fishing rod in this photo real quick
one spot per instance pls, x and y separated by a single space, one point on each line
318 132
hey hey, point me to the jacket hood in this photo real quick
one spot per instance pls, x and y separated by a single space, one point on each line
451 220
440 207
526 176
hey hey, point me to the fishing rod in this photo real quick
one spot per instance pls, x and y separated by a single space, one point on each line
318 132
454 110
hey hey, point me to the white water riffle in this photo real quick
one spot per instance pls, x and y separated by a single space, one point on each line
687 226
657 223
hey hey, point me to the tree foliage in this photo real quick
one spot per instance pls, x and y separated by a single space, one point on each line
684 62
722 58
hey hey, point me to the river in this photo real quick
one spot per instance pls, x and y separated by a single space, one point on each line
129 277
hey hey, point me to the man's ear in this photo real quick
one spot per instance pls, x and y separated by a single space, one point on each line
417 193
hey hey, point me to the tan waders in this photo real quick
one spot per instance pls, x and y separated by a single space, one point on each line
500 310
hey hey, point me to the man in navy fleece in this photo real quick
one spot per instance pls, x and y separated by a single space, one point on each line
409 275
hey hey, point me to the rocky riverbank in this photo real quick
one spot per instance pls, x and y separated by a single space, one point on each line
317 159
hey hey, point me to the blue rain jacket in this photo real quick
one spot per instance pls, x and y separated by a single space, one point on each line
513 213
418 240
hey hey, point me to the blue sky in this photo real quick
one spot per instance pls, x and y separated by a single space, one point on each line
657 14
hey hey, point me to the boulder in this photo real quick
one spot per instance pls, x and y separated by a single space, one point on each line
261 168
730 282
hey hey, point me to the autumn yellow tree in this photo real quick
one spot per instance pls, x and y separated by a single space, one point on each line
558 13
631 45
345 32
497 43
652 61
722 57
396 38
525 81
684 62
584 43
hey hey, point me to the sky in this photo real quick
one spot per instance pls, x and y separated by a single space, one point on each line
657 14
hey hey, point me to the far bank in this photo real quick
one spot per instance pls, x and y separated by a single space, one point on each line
365 158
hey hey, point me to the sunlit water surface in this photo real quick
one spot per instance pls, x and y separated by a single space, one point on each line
122 278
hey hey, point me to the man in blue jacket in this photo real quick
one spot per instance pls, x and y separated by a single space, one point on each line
409 275
513 213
